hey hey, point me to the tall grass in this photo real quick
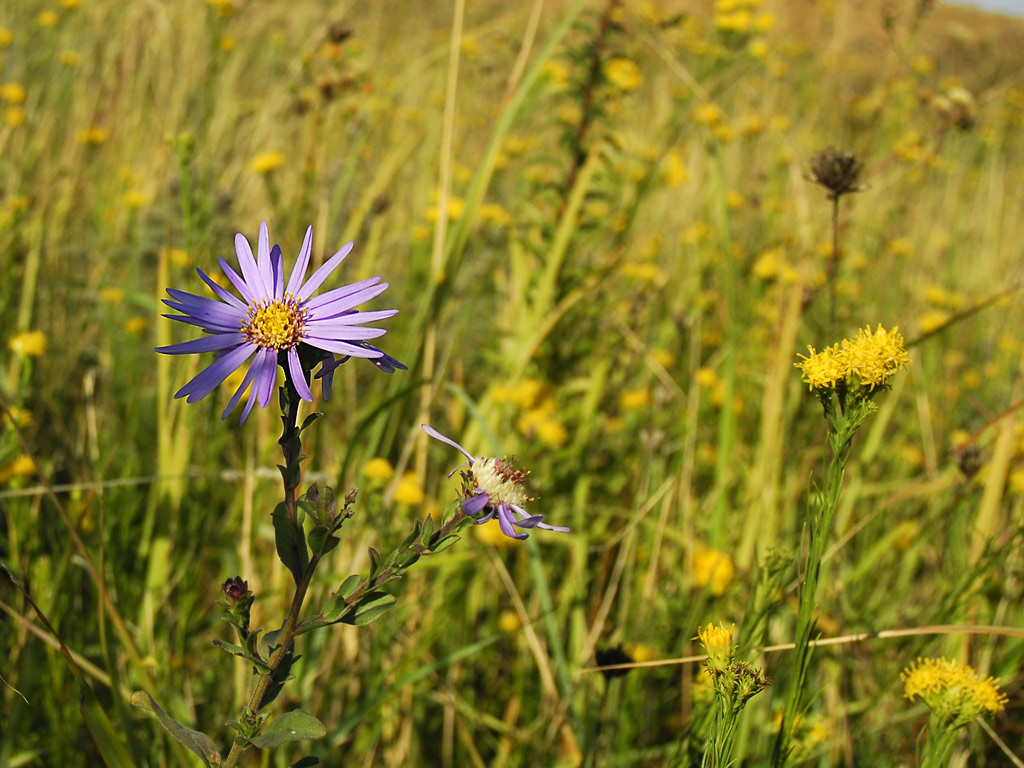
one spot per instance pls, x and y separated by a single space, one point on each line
605 271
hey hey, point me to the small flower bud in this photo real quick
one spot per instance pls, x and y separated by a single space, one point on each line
235 590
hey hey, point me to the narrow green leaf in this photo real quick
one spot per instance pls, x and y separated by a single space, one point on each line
291 726
291 542
308 421
237 650
306 762
198 743
113 750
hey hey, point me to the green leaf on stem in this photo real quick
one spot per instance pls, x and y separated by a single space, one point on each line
374 562
237 650
350 585
370 607
442 544
291 542
198 743
291 726
309 761
308 421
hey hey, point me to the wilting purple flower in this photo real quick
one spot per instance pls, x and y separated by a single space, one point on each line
496 488
275 323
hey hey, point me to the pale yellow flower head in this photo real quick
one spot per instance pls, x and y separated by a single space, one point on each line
952 690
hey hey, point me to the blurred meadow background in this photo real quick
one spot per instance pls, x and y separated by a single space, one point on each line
596 222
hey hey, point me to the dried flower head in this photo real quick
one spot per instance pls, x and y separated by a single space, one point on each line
495 487
836 171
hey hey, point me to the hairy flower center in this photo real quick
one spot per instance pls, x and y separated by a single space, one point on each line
277 324
501 480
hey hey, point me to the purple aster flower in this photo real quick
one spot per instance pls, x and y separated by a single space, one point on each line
277 324
495 487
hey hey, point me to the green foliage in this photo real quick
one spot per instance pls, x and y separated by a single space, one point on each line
616 296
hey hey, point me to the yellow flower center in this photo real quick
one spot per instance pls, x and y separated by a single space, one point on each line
277 324
501 480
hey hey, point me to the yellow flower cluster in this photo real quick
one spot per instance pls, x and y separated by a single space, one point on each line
540 411
713 568
623 73
717 642
951 689
872 357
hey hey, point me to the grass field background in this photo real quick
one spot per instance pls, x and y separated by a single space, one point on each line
596 222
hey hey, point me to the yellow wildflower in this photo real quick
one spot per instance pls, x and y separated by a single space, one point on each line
508 621
675 169
663 357
709 114
873 357
13 93
14 116
48 18
70 58
265 162
933 319
135 198
633 399
713 568
22 466
624 73
136 324
379 469
112 295
408 491
717 642
952 690
227 43
6 37
557 71
28 343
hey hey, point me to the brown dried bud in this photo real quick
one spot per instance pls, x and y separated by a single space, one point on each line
969 459
235 590
836 171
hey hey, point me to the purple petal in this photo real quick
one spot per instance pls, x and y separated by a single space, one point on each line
342 305
210 377
204 344
438 436
266 375
340 293
475 505
324 329
277 268
505 523
224 295
238 393
263 264
558 528
237 281
250 271
249 404
298 376
353 318
301 264
321 274
326 375
335 345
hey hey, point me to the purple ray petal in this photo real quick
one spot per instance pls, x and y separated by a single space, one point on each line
263 264
342 305
558 528
210 377
438 436
266 376
354 318
237 281
277 266
205 344
334 345
321 274
317 329
340 293
298 376
301 264
250 271
475 505
246 381
224 295
505 523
